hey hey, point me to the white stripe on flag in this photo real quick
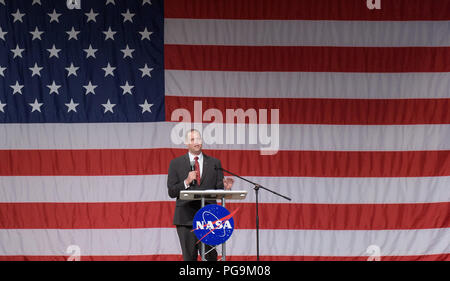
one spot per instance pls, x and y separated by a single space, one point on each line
154 188
164 241
158 135
306 33
307 84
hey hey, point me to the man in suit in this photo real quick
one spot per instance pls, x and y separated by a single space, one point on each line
180 177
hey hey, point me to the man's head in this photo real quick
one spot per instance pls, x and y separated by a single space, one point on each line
194 141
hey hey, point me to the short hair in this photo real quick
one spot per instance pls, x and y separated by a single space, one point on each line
191 131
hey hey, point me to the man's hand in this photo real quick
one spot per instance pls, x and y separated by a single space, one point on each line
191 176
228 183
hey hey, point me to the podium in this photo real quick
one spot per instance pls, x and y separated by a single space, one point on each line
213 194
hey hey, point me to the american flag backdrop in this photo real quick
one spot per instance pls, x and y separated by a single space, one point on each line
87 103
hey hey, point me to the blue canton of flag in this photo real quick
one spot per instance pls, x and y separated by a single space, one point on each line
101 63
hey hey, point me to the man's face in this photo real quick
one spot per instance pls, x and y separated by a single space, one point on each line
194 142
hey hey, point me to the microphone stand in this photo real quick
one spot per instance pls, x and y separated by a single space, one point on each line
256 188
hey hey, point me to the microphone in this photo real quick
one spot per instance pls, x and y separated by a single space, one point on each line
194 182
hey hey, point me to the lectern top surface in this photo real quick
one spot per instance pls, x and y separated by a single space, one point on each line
213 194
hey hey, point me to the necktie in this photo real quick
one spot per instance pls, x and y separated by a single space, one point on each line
197 169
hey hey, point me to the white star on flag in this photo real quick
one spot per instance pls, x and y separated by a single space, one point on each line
2 34
2 106
2 71
91 16
54 88
17 88
146 71
127 88
145 34
109 34
71 106
17 52
127 52
90 88
36 106
108 106
73 33
36 70
72 70
109 70
53 52
18 16
54 16
90 52
36 34
146 106
127 16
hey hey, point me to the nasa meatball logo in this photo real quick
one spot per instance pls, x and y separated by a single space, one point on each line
213 224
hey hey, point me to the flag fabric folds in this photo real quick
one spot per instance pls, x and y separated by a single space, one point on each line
352 102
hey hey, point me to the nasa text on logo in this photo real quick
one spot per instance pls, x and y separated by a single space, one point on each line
213 224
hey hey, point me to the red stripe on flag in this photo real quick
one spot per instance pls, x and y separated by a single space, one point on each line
344 216
246 162
338 163
87 162
322 111
95 258
86 215
306 58
436 257
160 214
307 10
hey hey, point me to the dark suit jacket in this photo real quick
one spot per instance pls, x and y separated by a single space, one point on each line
178 171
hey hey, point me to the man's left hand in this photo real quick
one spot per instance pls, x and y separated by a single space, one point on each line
228 183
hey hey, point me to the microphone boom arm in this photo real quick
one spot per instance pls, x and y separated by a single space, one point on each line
257 186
